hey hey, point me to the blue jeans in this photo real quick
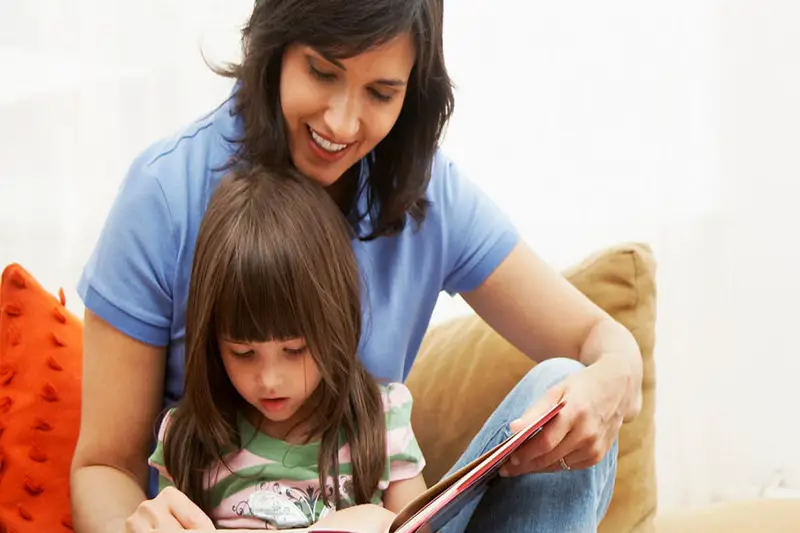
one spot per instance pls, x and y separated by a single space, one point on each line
571 501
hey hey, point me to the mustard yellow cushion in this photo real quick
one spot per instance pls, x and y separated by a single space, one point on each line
464 369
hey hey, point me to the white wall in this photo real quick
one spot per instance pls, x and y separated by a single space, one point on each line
590 123
673 123
601 115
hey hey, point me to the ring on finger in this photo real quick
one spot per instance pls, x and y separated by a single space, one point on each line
563 463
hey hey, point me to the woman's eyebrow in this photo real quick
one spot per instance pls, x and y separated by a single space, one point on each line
389 82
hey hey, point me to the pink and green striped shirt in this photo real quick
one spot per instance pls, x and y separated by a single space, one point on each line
271 483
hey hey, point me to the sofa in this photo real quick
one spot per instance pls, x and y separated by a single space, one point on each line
461 362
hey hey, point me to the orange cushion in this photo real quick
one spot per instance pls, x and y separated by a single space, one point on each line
40 371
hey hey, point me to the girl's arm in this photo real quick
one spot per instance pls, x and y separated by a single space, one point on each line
405 461
401 493
122 389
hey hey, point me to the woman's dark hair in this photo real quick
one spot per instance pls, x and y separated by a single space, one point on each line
400 170
274 261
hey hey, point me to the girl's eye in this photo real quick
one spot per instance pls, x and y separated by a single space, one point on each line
243 355
295 351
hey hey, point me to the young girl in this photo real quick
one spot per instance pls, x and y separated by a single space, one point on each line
280 423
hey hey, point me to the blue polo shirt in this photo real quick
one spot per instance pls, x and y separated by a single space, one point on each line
137 277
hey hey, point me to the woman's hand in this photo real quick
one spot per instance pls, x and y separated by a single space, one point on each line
585 429
170 511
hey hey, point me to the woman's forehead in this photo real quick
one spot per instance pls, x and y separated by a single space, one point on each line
392 59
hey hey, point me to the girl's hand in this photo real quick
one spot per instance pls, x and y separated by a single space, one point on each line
170 511
366 518
585 429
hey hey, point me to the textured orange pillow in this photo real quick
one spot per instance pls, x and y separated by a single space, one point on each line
40 372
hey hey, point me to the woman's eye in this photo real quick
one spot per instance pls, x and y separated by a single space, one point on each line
322 76
379 96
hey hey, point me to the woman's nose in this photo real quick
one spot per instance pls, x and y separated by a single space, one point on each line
343 118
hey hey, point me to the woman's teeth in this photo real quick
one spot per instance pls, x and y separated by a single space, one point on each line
325 144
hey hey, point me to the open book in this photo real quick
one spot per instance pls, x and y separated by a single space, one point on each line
431 510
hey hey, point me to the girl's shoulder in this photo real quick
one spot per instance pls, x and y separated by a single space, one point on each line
397 402
394 393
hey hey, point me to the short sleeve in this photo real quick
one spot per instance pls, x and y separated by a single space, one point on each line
156 459
128 278
405 458
478 235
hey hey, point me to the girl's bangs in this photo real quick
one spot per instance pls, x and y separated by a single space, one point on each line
257 301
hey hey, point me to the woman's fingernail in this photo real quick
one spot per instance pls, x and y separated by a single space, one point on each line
514 460
504 472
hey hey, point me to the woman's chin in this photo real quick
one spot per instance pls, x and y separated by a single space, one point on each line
325 177
324 174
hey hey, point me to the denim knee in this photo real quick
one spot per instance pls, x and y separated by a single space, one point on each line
574 500
541 378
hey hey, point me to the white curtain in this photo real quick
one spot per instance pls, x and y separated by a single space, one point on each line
590 123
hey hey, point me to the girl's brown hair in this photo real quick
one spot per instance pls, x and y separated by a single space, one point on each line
274 260
400 170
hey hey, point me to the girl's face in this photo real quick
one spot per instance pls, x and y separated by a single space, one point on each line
336 111
275 377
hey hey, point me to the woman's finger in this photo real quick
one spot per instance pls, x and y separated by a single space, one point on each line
587 442
542 444
584 456
568 446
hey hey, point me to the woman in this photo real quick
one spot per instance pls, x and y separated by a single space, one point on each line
355 95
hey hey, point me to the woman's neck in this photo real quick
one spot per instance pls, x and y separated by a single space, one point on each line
343 191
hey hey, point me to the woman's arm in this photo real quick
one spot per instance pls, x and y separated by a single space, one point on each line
122 386
122 390
537 310
544 316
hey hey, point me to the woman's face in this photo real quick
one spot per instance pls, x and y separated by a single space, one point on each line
336 111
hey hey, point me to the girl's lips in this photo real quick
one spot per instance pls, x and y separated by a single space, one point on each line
273 404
